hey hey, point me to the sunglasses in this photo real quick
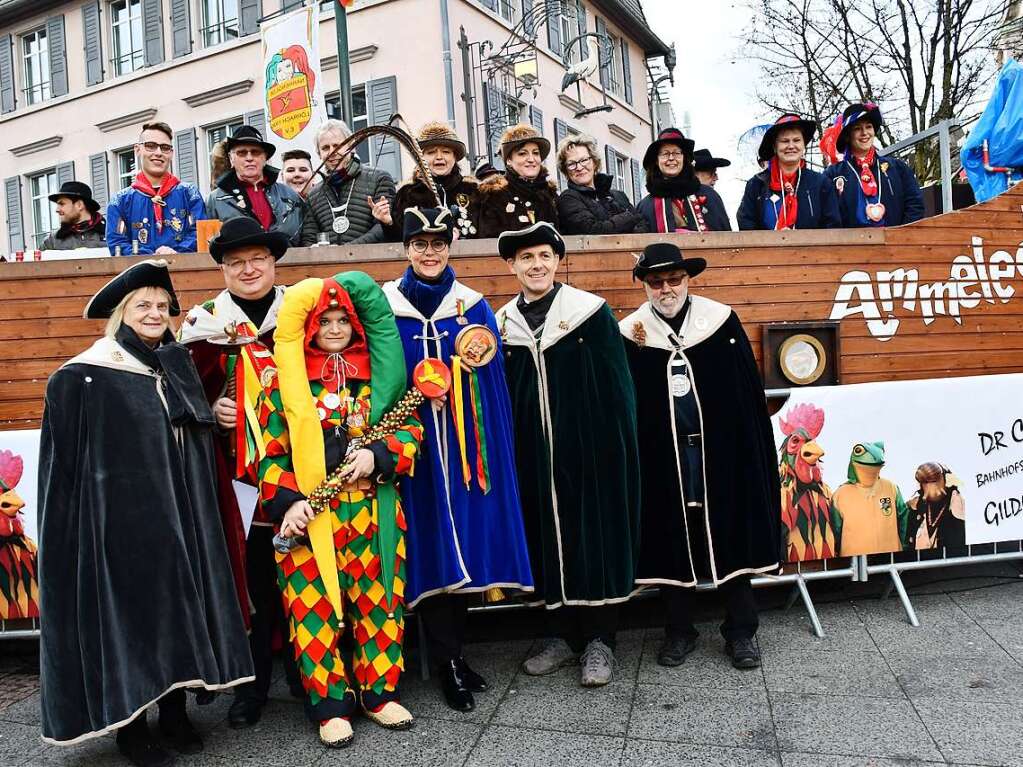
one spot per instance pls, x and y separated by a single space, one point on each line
656 283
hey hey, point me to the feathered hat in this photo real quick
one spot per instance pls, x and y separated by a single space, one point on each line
520 134
441 134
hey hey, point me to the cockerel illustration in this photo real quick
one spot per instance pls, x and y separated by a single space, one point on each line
808 530
19 588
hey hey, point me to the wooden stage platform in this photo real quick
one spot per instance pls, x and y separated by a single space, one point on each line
963 271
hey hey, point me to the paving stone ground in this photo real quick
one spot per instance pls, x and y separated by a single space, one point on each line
874 692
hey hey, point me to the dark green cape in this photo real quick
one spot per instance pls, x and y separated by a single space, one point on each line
574 413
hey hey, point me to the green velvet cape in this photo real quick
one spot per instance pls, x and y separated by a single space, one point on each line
574 413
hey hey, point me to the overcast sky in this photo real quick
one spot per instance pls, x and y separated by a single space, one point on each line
713 82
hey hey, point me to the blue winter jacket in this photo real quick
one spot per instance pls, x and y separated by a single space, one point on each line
130 212
900 193
818 204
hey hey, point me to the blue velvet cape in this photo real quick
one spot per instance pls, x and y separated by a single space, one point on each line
459 538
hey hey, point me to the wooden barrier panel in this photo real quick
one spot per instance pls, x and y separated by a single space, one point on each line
943 295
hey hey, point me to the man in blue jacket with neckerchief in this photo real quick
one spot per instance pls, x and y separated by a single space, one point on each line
873 189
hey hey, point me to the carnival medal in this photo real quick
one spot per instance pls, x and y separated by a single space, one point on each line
176 224
476 345
341 225
432 377
143 234
461 319
680 385
875 211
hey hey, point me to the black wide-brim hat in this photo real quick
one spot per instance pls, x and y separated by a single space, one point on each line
704 160
852 115
791 120
247 134
668 136
76 190
145 274
243 231
665 257
540 233
418 221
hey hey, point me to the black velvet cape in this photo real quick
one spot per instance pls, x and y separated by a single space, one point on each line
583 530
742 511
136 587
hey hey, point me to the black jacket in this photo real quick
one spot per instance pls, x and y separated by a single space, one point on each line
900 192
228 201
598 209
367 182
66 238
508 203
715 218
457 192
818 204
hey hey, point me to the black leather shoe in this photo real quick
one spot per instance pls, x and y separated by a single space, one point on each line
744 653
674 650
139 747
456 693
473 681
181 734
244 712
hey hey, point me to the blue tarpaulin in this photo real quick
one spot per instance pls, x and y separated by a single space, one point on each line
1002 125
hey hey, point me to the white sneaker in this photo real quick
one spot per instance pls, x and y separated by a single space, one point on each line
554 654
336 733
598 664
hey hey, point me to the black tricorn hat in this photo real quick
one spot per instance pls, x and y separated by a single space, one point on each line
145 274
665 257
242 231
852 115
418 221
668 136
790 120
540 233
704 160
76 190
247 134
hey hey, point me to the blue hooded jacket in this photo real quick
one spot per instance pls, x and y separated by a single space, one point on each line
899 192
818 204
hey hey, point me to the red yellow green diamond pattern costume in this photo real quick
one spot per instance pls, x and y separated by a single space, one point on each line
352 568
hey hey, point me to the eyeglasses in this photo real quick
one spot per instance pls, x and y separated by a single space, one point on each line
576 164
238 266
656 283
152 146
670 155
251 151
421 246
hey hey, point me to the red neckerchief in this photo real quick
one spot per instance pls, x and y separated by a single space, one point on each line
785 184
84 226
318 364
867 181
158 196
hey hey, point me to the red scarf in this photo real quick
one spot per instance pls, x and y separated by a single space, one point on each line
259 202
326 368
158 196
867 181
786 185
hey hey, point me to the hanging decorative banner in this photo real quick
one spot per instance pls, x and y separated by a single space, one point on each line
911 465
292 85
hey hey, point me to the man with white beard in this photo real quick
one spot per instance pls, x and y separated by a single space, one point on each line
711 505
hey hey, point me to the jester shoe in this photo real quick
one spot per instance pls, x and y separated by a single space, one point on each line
391 715
336 732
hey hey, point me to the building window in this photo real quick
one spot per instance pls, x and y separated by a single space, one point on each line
36 55
620 172
219 21
126 170
510 10
360 117
614 67
126 36
569 31
44 216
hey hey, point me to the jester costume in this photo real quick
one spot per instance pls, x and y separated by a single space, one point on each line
137 596
19 587
351 567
